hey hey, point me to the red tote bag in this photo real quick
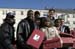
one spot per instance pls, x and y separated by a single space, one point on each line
36 38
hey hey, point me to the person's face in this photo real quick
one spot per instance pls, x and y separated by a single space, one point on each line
62 22
38 22
31 15
58 23
12 21
47 23
51 13
37 16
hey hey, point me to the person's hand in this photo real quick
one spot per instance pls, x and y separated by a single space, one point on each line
61 42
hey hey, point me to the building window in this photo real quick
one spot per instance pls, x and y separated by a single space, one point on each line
22 13
61 16
6 11
73 22
67 22
3 12
68 16
14 12
73 15
45 13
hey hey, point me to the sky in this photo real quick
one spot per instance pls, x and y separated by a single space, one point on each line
37 4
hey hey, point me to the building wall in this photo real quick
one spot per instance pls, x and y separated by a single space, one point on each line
22 13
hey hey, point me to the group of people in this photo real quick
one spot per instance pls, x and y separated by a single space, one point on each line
49 25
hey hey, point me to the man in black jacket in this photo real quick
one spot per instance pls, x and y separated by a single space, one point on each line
24 30
7 32
64 28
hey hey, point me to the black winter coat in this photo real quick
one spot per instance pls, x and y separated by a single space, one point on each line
24 30
6 36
